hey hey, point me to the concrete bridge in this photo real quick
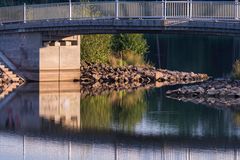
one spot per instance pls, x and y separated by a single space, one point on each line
42 42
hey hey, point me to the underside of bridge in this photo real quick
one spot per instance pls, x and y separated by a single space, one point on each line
38 56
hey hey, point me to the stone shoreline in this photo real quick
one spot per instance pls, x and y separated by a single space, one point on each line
213 93
99 78
93 73
7 80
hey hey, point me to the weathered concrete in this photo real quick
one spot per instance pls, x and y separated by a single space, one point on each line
60 62
94 26
36 58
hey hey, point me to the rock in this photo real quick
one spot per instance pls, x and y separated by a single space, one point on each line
96 76
131 77
213 93
200 90
228 86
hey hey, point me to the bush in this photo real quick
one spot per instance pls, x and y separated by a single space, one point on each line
127 49
133 42
236 69
116 61
96 48
133 59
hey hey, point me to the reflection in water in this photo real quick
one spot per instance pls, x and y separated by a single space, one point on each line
117 108
53 121
60 102
28 148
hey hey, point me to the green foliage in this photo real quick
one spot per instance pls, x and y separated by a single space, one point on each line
133 59
125 109
127 57
133 42
96 112
236 69
96 48
129 49
128 110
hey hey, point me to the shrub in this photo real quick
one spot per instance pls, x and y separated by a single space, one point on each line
127 49
96 48
116 61
133 42
133 59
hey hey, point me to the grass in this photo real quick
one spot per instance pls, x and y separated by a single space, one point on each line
236 69
127 57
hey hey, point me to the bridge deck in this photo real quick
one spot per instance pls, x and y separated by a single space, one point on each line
101 26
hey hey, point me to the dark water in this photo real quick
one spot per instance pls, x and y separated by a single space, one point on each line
55 121
213 55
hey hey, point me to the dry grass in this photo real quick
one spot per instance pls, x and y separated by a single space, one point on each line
236 69
133 59
127 57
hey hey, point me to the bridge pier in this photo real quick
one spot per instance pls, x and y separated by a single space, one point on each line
41 57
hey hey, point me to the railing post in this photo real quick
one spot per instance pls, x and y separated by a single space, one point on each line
70 9
116 9
188 11
190 14
162 8
24 13
236 9
165 9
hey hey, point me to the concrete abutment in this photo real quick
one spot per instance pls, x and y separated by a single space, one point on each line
41 57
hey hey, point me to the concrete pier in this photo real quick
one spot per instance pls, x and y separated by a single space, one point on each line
38 57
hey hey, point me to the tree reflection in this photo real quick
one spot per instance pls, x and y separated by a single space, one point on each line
129 109
123 109
96 112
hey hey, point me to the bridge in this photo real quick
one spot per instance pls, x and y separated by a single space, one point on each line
38 39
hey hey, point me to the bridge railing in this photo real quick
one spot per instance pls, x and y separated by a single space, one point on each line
214 10
47 11
11 14
93 10
138 9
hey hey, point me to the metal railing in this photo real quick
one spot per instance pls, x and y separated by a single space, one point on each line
138 9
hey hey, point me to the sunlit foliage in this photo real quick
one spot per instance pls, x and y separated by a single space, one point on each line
236 69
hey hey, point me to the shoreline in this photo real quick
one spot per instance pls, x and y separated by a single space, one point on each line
138 75
221 93
100 78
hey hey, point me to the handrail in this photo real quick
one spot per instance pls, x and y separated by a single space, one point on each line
187 9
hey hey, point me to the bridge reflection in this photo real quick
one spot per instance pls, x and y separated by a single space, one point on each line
88 147
52 121
34 103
